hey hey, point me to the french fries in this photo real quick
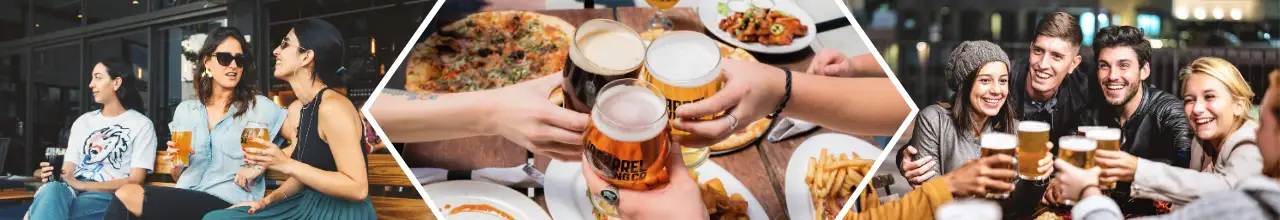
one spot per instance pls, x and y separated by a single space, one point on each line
831 179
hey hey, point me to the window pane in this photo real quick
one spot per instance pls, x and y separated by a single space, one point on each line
104 10
56 73
12 92
13 19
52 16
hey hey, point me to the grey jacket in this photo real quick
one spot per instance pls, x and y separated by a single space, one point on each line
935 135
1257 197
1239 158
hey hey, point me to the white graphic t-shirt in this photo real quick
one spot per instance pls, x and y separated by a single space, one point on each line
106 148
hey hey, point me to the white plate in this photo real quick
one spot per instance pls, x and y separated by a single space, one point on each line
567 190
710 18
799 204
455 193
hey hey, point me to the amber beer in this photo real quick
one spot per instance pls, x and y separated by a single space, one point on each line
1108 139
253 130
685 66
181 137
1077 151
627 140
602 51
996 143
1033 140
662 4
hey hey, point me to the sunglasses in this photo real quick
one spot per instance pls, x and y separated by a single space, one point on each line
225 58
284 43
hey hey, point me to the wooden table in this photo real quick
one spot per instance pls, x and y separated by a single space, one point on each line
746 164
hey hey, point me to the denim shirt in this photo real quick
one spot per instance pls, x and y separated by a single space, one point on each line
217 153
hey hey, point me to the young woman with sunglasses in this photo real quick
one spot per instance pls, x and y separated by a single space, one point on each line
108 148
327 169
216 176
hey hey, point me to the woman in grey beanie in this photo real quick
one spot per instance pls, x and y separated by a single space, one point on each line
948 132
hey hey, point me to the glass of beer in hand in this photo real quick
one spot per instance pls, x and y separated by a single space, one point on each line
1108 139
602 51
628 140
181 137
685 67
253 130
1033 141
660 19
996 143
1077 151
55 157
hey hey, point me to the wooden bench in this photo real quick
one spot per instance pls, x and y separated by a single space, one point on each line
384 175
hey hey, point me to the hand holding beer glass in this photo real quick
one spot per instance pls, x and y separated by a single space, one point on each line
53 164
997 143
627 140
1033 146
1108 141
685 67
254 130
179 145
1077 151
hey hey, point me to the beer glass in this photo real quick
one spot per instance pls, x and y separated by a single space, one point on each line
660 19
181 137
602 50
1033 140
1108 139
55 157
253 130
1082 130
628 140
1077 151
685 67
996 143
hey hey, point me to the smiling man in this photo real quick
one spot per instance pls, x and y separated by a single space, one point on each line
1152 120
1047 83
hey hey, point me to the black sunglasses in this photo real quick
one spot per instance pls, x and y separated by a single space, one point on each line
225 58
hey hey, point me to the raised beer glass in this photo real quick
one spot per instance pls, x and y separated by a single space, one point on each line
660 19
685 67
1033 140
1108 139
181 137
601 51
55 157
996 143
253 130
1082 130
628 140
1077 151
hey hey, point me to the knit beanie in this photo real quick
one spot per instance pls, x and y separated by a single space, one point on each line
968 57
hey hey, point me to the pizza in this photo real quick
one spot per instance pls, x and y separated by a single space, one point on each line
489 50
754 129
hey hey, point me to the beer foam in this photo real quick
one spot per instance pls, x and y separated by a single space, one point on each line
1108 134
612 49
1032 126
684 59
1077 143
629 113
998 140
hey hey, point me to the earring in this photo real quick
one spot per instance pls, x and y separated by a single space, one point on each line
206 74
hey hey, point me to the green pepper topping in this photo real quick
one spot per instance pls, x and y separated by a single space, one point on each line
777 29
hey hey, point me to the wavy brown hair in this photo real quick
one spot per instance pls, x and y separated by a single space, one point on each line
243 93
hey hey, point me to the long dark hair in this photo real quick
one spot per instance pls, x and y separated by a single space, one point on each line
962 109
128 94
243 93
324 40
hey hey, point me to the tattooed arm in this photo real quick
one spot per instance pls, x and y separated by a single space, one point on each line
418 116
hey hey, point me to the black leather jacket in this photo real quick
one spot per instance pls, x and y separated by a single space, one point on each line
1158 131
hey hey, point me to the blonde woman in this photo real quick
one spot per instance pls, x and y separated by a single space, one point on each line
1217 101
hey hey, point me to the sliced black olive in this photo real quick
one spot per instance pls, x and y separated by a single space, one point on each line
517 55
445 49
484 52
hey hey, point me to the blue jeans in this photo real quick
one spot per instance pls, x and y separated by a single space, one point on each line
57 200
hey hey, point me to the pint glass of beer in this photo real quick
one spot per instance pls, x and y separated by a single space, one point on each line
181 137
601 51
1082 130
996 143
55 157
1033 140
685 66
1108 139
1077 151
253 130
627 140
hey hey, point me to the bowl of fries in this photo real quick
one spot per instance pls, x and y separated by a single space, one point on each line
824 173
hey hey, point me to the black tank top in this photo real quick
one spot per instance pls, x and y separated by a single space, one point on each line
312 150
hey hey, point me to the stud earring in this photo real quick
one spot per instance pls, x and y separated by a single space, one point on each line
206 74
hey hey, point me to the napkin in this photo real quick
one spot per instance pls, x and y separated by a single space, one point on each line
523 176
788 127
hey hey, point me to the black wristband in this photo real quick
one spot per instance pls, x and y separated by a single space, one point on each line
786 96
